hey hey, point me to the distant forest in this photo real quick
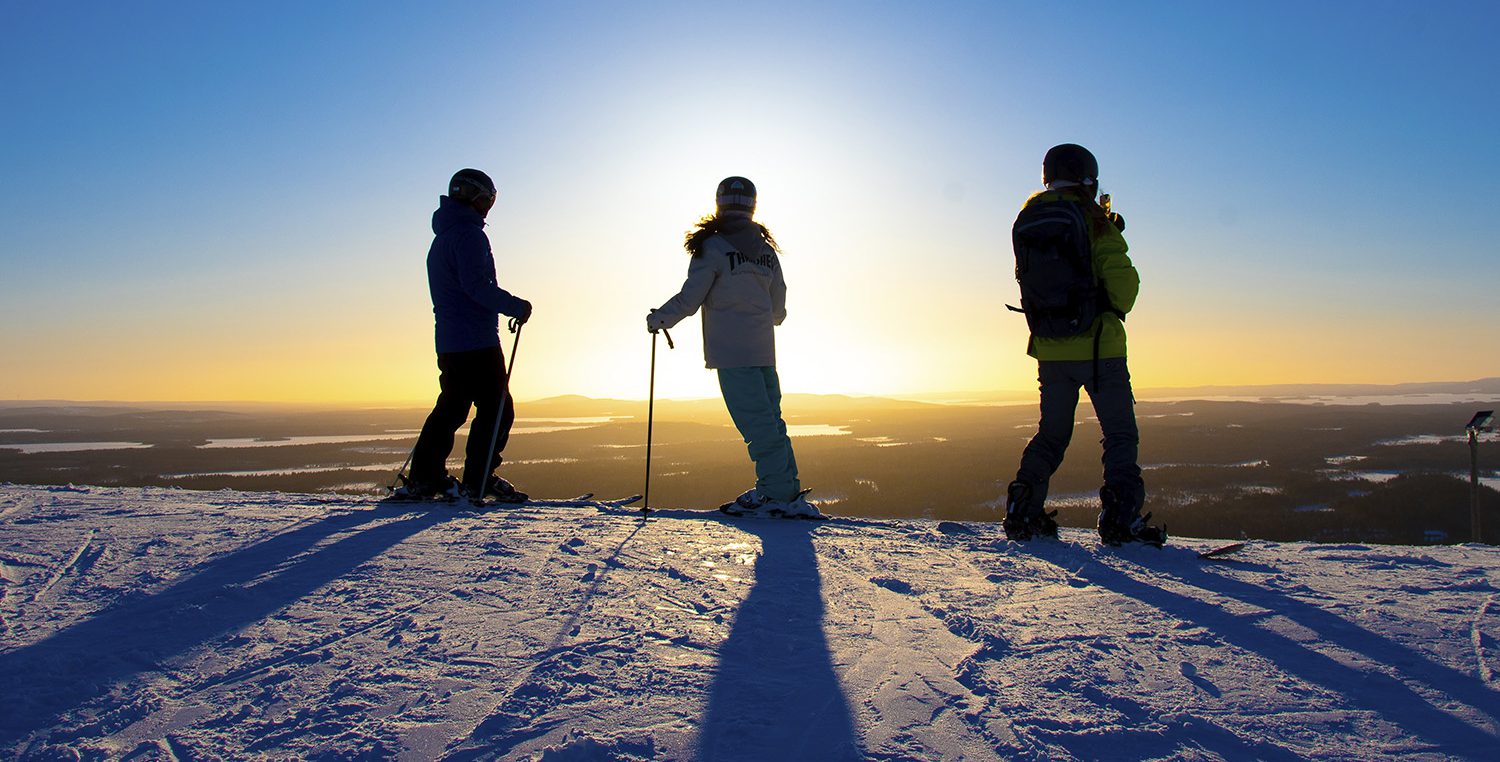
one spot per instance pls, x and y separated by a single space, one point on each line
1224 469
1410 509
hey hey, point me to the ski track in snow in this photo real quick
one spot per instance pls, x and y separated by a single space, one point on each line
79 562
16 504
164 624
1484 634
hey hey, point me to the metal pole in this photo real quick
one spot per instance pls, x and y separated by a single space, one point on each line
1474 483
650 418
484 484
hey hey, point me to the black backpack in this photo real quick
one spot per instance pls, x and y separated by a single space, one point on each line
1060 295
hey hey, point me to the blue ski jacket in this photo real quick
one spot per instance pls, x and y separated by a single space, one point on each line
466 300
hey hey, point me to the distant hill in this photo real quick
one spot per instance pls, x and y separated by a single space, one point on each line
572 405
579 405
1483 386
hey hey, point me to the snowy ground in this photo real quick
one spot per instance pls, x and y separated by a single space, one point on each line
161 624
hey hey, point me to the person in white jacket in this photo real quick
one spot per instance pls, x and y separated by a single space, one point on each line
735 278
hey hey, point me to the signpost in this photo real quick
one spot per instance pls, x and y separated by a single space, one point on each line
1480 422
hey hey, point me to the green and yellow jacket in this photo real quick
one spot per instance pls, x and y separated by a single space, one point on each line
1115 272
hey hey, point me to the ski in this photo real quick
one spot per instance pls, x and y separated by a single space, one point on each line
394 498
584 500
710 514
733 509
619 502
571 502
770 517
623 507
578 501
617 507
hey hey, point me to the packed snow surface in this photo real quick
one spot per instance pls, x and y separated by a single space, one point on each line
161 624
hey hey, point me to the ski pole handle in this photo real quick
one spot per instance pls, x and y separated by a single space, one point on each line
670 345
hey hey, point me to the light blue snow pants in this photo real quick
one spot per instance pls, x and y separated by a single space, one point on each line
753 396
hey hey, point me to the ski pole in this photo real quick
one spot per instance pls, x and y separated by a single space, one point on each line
484 484
401 474
650 416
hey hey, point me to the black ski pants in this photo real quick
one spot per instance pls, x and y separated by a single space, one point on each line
477 378
1114 405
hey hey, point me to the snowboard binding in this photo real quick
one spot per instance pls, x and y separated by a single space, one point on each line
1023 520
1120 520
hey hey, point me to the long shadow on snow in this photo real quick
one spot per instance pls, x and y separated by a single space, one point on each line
1369 689
520 717
775 694
48 678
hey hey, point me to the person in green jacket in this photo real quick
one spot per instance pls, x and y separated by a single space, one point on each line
1093 359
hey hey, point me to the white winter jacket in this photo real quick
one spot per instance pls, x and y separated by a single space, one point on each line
743 296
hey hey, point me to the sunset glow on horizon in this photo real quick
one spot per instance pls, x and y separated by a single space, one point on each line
231 202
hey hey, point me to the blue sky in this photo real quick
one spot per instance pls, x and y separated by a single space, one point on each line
230 200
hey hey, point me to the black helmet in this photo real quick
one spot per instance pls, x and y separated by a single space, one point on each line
735 194
1070 162
470 184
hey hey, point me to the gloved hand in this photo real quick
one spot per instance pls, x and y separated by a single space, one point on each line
1118 220
525 313
654 323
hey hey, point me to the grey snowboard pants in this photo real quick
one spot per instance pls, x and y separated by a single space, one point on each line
1114 404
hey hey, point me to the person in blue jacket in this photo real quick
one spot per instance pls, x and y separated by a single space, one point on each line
466 305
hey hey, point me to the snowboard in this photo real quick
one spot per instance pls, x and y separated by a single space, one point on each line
1223 550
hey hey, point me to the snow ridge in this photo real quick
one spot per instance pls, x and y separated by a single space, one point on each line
162 624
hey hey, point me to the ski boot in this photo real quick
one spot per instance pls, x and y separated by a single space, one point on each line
445 489
796 508
1023 520
751 502
1120 519
498 490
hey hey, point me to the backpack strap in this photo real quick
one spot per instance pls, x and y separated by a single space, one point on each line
1098 332
1105 305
